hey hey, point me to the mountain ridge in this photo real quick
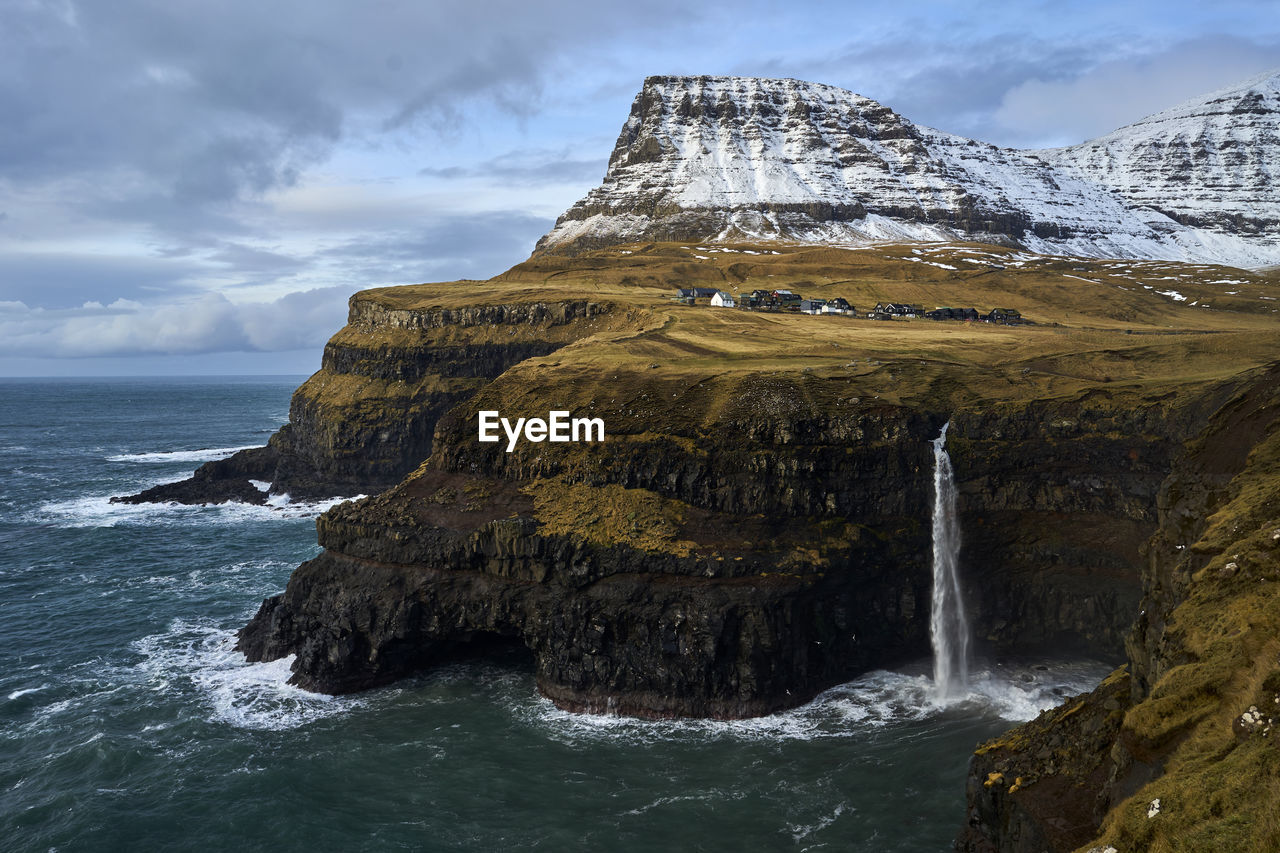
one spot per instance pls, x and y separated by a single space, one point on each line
719 158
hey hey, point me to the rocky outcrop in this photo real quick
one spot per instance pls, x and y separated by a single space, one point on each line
216 482
1179 734
698 607
711 159
1041 787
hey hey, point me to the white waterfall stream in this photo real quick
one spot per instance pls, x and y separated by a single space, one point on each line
949 629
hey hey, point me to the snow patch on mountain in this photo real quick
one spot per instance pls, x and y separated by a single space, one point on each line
714 159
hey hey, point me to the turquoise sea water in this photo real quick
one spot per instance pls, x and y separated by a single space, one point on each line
127 723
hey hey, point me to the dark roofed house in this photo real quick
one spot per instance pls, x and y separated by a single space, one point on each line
812 306
839 305
1004 316
786 299
689 294
944 313
887 310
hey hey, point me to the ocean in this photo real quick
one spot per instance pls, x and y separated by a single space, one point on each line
127 722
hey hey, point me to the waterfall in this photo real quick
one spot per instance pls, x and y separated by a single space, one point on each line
949 630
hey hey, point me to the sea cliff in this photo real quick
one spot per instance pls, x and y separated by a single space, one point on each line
1175 750
755 526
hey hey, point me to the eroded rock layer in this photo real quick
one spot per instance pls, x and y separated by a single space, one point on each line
711 159
735 545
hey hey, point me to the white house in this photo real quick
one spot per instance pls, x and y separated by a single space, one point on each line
723 299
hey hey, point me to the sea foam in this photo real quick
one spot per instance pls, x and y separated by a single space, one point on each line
99 511
202 657
1013 693
206 455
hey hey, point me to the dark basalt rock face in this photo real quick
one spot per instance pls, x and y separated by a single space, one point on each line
612 630
1041 786
728 628
808 561
1050 783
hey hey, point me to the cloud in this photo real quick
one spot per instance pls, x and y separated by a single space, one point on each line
474 246
536 167
66 279
1033 86
185 104
209 323
945 67
1112 94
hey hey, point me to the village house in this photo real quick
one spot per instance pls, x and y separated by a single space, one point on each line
690 295
1004 316
786 299
723 299
892 310
839 305
944 313
812 306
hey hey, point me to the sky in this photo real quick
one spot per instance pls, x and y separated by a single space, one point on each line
197 187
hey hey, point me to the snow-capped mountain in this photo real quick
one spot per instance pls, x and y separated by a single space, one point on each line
1212 162
722 158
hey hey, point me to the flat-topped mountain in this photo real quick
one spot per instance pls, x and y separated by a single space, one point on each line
727 158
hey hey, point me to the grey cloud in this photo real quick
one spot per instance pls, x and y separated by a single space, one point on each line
1022 91
528 168
951 85
1114 93
65 280
249 261
475 246
60 313
210 323
206 103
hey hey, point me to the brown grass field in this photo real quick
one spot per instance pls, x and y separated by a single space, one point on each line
1140 324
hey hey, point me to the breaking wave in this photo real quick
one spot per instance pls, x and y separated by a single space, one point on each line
1013 693
98 511
191 655
207 455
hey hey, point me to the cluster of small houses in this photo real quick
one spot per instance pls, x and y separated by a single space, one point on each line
785 300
